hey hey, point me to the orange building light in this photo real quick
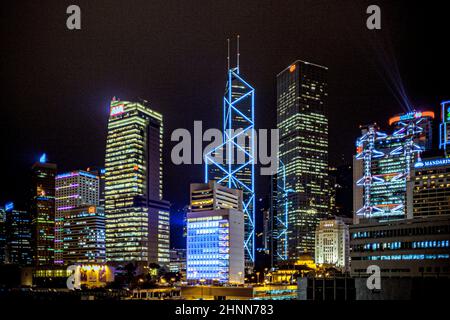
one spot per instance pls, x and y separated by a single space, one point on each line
411 115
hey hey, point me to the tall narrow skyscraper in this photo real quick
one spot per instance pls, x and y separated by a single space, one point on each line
303 130
43 211
232 163
136 215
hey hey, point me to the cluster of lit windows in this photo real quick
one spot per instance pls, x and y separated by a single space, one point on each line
411 231
208 249
397 245
405 257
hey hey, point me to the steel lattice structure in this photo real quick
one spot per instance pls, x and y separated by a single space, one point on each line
238 125
387 161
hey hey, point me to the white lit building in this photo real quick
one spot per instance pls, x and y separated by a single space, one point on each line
215 246
332 244
215 235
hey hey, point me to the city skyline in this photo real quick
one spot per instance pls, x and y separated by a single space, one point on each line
318 132
85 102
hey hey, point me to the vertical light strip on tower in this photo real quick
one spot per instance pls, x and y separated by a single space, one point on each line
282 217
238 126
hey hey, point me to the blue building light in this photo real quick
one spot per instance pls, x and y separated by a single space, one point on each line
238 120
9 206
282 217
208 249
43 158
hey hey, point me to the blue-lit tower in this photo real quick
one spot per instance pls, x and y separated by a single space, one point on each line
281 217
232 163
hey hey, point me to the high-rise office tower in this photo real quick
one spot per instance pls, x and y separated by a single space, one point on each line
428 189
232 163
383 163
73 190
43 211
159 232
402 224
100 172
84 235
215 234
134 209
17 235
303 130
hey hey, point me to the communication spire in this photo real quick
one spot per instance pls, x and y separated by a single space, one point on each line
228 56
238 53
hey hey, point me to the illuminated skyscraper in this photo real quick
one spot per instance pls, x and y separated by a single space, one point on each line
428 190
303 130
159 231
232 163
136 216
43 212
215 234
17 228
83 231
400 201
73 190
383 164
100 172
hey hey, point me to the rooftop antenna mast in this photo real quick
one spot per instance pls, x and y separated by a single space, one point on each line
238 53
228 56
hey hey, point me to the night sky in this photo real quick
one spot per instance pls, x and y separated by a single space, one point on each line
57 83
